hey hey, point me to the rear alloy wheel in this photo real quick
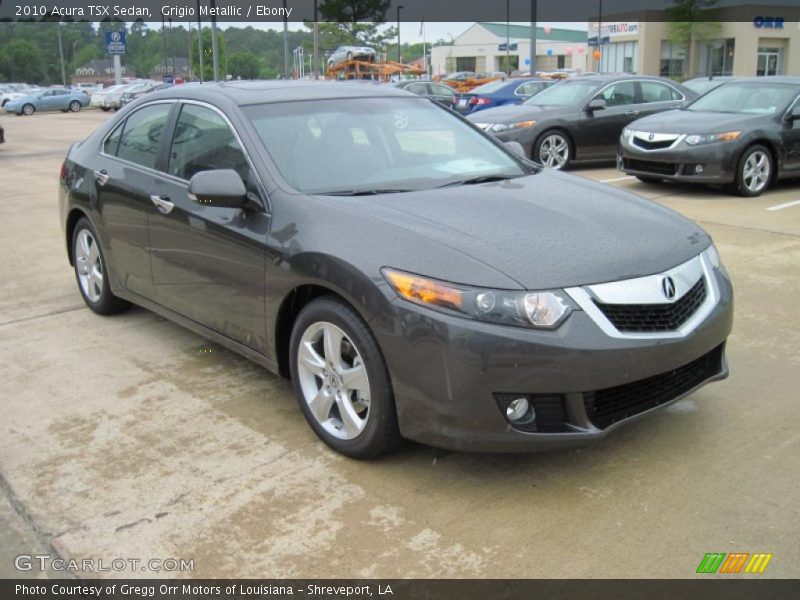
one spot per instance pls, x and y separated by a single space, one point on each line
754 173
341 381
28 109
74 106
553 150
90 271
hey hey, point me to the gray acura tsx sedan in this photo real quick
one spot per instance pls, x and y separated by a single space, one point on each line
412 275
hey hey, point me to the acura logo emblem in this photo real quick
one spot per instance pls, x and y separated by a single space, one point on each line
651 137
668 287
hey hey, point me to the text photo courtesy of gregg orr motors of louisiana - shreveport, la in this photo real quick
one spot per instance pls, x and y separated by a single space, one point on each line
473 301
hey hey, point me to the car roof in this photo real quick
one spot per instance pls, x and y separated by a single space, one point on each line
787 79
261 92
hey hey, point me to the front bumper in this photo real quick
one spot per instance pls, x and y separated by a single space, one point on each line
451 375
718 162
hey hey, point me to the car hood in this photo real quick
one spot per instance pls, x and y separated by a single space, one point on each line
511 113
688 121
547 230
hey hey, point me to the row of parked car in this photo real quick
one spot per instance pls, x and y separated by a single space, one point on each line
742 133
29 100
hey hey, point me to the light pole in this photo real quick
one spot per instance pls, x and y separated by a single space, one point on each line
399 55
315 68
214 54
61 55
200 38
285 43
534 8
508 36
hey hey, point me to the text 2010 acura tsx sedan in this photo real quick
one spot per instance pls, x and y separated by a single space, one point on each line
744 134
411 274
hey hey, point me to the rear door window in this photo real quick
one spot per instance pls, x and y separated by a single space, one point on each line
141 136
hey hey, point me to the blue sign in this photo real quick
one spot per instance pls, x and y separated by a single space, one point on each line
768 22
169 79
115 42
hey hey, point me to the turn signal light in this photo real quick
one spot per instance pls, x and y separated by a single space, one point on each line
423 290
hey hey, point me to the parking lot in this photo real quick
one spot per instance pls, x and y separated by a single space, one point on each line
130 437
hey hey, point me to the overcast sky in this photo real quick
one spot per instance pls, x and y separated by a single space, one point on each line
410 31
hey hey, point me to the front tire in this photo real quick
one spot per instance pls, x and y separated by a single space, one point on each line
105 108
90 271
754 172
28 109
341 380
75 106
553 149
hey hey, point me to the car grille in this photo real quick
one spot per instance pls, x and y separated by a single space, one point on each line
607 406
649 166
648 145
643 318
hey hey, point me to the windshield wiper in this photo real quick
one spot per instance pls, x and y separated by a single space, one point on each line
363 192
475 180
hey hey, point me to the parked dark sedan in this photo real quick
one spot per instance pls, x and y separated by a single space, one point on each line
744 134
412 275
499 93
438 92
580 119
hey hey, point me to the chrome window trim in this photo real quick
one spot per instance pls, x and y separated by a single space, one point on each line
584 297
267 208
605 87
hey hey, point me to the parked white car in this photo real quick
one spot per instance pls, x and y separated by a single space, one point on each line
7 94
110 97
87 88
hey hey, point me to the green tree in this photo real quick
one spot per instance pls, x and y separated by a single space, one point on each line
243 65
688 26
21 60
208 67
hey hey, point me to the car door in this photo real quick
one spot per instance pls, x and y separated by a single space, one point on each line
123 175
208 262
657 96
599 130
46 100
790 139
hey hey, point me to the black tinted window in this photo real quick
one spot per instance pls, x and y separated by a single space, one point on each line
653 91
204 142
619 94
141 136
112 142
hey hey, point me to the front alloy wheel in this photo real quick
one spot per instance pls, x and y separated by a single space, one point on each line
553 150
28 109
755 171
341 380
75 106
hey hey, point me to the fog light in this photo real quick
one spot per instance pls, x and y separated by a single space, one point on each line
519 410
698 169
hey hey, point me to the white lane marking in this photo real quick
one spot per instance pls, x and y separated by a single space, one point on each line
617 179
784 205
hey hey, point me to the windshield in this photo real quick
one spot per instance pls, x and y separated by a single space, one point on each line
362 145
564 93
760 98
701 86
489 88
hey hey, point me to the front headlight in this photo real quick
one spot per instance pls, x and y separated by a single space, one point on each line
728 136
499 127
541 310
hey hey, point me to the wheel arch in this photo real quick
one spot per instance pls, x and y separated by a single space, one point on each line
552 129
75 215
773 151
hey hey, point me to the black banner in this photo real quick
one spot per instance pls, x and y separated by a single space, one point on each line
400 589
410 10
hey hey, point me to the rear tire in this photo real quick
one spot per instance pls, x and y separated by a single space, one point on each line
105 108
651 180
91 273
341 381
754 173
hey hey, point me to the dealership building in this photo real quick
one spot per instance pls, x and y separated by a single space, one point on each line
766 44
488 47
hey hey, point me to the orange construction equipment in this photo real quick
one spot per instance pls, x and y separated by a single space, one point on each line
361 69
468 84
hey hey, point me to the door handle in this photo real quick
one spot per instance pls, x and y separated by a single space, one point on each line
101 177
631 113
162 204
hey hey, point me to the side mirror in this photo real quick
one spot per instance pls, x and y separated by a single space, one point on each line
516 148
222 188
596 104
794 114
